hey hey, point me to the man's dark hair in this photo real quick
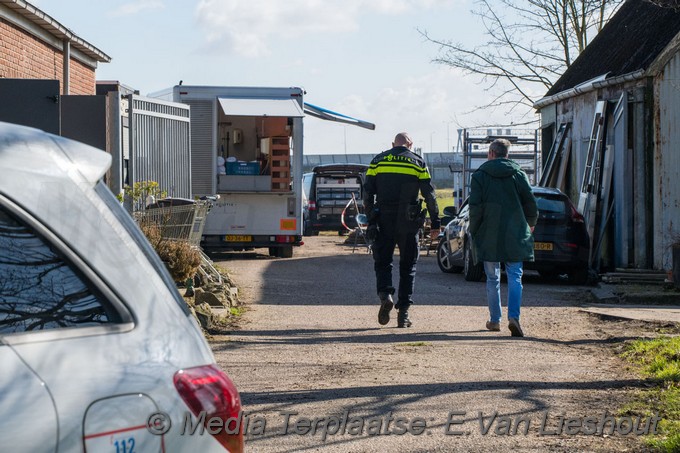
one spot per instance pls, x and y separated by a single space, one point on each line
500 147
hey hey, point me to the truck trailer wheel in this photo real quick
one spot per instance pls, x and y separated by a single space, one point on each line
286 251
273 251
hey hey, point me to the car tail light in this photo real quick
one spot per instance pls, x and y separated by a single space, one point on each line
575 215
285 239
208 389
311 206
570 245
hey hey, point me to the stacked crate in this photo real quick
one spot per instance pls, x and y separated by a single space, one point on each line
279 163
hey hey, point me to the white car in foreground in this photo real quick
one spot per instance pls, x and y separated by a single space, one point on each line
98 351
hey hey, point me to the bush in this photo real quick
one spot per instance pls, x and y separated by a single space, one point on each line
181 259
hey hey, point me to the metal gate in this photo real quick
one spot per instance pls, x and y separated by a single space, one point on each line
159 141
31 102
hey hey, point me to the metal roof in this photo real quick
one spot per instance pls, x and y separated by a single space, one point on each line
632 40
52 26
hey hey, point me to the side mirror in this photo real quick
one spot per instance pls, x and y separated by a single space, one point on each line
450 211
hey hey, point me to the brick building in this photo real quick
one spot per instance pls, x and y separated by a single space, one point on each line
33 45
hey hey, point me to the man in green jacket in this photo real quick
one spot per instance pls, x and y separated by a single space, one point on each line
503 213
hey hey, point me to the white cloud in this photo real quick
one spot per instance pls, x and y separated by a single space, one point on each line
247 28
430 107
128 9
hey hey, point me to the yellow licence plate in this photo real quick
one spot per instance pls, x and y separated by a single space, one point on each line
543 246
238 238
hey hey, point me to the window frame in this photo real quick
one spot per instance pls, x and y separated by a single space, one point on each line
90 278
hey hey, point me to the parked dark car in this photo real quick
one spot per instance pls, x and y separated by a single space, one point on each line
328 191
561 243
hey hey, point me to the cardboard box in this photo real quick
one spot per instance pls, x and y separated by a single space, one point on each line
272 127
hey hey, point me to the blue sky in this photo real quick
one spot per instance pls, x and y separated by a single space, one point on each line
363 58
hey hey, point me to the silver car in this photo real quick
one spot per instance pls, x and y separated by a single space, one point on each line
98 351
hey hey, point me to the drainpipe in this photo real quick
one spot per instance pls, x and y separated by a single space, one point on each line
66 67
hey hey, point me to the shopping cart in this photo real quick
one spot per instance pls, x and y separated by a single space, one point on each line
182 220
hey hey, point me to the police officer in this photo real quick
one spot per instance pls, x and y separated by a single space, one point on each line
393 181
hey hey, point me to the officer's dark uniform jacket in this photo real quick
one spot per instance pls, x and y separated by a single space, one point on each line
394 180
396 176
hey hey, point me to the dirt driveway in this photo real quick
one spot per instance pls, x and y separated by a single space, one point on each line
317 373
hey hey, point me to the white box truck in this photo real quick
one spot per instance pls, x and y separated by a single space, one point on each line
247 147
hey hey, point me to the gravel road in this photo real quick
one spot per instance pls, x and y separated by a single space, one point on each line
317 373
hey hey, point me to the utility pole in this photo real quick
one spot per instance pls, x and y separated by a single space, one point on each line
344 128
448 135
448 138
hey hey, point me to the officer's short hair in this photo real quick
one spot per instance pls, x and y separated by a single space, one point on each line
500 147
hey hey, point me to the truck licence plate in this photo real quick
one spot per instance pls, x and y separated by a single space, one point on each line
543 246
238 238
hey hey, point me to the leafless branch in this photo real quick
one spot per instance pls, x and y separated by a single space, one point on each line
530 43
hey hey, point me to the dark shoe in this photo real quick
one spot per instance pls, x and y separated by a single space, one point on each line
386 304
493 326
515 329
403 319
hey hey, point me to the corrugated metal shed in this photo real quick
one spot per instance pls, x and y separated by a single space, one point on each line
637 59
667 162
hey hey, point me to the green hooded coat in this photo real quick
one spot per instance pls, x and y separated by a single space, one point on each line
502 210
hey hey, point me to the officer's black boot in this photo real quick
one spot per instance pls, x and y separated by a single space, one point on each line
402 318
386 304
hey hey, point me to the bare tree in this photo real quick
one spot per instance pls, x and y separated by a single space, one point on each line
530 44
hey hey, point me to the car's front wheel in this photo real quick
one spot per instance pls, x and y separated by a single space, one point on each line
444 257
472 272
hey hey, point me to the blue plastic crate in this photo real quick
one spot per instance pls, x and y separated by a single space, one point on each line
243 168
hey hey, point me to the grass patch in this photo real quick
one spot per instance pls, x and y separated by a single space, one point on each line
659 360
444 198
416 343
237 311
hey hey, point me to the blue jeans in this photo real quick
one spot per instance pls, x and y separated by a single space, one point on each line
493 289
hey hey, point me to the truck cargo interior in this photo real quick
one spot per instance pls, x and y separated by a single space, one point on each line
254 151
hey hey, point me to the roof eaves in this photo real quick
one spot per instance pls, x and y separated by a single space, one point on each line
591 85
50 24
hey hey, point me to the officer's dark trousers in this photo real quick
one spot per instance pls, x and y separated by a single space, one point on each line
405 235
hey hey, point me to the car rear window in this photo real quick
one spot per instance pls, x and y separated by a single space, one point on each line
551 207
39 289
307 184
